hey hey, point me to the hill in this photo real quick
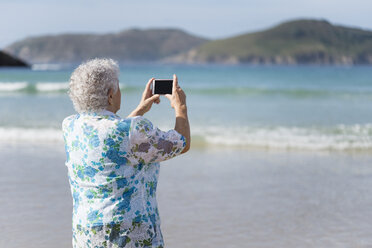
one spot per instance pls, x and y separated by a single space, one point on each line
9 61
126 46
294 42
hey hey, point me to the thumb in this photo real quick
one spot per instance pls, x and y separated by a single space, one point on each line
169 96
153 98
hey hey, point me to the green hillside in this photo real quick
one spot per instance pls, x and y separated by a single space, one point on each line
295 42
130 45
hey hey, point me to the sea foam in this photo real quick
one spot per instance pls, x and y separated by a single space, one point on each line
338 138
47 67
12 86
47 87
51 86
31 135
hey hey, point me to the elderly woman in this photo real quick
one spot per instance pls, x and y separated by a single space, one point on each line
113 163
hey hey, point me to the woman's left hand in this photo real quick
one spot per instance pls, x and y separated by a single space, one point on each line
146 101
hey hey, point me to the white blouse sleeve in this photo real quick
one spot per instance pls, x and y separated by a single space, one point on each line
150 144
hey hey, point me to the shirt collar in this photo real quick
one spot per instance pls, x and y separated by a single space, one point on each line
106 112
103 112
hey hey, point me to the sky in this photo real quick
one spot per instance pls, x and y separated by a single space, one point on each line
210 19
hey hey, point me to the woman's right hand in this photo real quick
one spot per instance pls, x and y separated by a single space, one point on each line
178 102
178 97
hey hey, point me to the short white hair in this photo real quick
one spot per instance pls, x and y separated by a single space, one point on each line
90 83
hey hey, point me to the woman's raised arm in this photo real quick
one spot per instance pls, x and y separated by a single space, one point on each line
178 102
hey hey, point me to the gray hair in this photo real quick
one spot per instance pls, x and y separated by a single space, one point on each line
90 83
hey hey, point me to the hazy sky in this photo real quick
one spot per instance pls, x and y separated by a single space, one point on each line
211 19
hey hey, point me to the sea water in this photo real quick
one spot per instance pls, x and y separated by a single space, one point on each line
269 107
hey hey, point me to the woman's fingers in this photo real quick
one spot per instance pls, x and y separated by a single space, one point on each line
175 83
169 96
147 91
148 85
154 98
148 98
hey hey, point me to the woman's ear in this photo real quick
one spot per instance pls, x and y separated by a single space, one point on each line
111 97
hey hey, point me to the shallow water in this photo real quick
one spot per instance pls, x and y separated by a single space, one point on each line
207 198
289 108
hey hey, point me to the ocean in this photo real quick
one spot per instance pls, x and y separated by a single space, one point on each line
281 156
304 108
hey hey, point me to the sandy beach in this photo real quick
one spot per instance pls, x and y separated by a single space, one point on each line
207 198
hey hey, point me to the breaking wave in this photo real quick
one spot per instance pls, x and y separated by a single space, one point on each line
62 87
43 87
340 137
337 138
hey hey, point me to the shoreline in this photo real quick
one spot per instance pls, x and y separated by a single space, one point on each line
207 197
202 147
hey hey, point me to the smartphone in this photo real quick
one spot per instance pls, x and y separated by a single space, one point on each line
162 86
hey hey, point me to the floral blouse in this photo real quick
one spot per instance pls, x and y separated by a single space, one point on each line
113 169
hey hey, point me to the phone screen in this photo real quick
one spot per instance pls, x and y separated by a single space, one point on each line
163 86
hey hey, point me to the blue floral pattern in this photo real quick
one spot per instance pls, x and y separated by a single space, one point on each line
113 168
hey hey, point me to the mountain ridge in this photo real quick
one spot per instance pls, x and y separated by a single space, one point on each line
125 46
304 41
301 41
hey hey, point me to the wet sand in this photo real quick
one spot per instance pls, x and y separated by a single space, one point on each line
207 198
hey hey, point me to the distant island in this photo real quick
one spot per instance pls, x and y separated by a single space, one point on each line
9 61
290 43
132 45
295 42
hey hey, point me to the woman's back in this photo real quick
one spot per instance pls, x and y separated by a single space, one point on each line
113 171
